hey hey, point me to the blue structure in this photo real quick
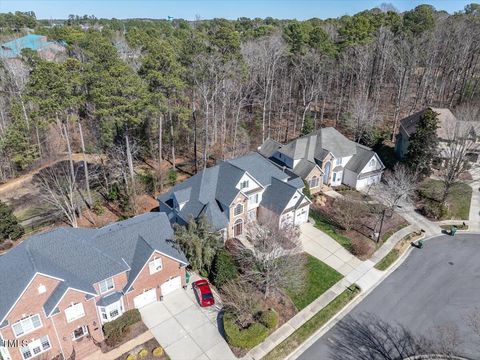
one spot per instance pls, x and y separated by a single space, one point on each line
14 48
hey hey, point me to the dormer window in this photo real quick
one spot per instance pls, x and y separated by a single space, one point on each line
238 210
338 161
244 184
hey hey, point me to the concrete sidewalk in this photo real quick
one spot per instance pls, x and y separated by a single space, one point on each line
326 249
474 216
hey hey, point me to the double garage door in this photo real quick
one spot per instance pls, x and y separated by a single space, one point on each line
150 296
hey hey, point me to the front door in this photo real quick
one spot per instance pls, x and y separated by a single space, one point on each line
238 228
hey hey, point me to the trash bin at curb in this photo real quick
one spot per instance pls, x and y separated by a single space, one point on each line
453 230
187 277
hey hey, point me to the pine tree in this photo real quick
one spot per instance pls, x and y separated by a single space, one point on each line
423 146
10 229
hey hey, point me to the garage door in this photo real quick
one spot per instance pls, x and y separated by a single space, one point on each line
171 285
146 298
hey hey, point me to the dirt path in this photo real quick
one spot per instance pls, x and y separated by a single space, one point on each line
12 185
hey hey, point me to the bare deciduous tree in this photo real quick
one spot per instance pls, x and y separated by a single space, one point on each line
238 299
58 188
273 260
348 213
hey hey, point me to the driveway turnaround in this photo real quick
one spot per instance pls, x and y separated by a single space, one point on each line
184 329
437 286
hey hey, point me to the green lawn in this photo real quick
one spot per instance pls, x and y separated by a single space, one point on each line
320 277
282 350
322 223
388 260
458 201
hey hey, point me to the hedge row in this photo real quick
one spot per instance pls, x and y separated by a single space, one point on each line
254 334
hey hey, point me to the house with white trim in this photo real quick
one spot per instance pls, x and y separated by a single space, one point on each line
58 289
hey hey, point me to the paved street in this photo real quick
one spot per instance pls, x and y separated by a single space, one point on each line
186 330
435 286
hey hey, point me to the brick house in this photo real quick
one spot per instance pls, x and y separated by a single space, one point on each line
58 288
236 192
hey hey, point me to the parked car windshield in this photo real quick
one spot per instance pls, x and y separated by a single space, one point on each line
207 296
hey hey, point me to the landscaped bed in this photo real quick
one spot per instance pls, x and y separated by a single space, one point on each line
457 203
123 329
150 350
458 226
358 237
300 335
398 250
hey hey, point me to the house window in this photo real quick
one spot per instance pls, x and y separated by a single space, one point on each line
238 210
244 184
42 289
253 199
111 312
106 285
314 182
155 265
372 163
74 312
338 161
238 227
79 333
27 325
35 348
334 178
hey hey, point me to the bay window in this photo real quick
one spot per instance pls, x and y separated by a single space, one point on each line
111 312
79 333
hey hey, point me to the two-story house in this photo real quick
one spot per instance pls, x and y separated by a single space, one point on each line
236 192
449 129
58 288
326 157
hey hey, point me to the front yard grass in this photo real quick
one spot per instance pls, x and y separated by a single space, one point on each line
458 201
319 278
398 250
325 225
300 335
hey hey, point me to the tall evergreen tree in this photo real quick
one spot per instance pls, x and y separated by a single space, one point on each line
10 229
423 146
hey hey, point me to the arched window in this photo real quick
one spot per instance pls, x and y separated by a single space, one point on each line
372 163
238 210
238 227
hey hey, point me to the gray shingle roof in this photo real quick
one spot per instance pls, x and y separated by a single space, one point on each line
213 190
361 159
82 257
303 168
445 121
269 147
109 299
277 196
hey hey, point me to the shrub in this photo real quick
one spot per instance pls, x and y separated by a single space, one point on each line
269 318
360 247
143 353
157 352
115 330
98 208
306 190
243 338
10 229
172 177
433 209
224 268
131 357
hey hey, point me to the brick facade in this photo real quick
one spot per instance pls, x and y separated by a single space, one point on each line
60 331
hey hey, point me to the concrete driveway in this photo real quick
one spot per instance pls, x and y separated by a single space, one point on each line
435 286
184 329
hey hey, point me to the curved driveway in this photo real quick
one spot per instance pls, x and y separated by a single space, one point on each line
435 286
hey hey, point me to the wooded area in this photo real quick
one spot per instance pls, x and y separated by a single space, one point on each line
156 90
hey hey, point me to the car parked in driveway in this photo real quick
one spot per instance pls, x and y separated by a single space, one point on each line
203 292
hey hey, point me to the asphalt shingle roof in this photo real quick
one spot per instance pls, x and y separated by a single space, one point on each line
83 257
361 159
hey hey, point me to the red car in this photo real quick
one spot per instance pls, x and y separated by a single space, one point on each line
204 293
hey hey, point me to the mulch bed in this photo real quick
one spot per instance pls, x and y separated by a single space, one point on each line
133 331
149 346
